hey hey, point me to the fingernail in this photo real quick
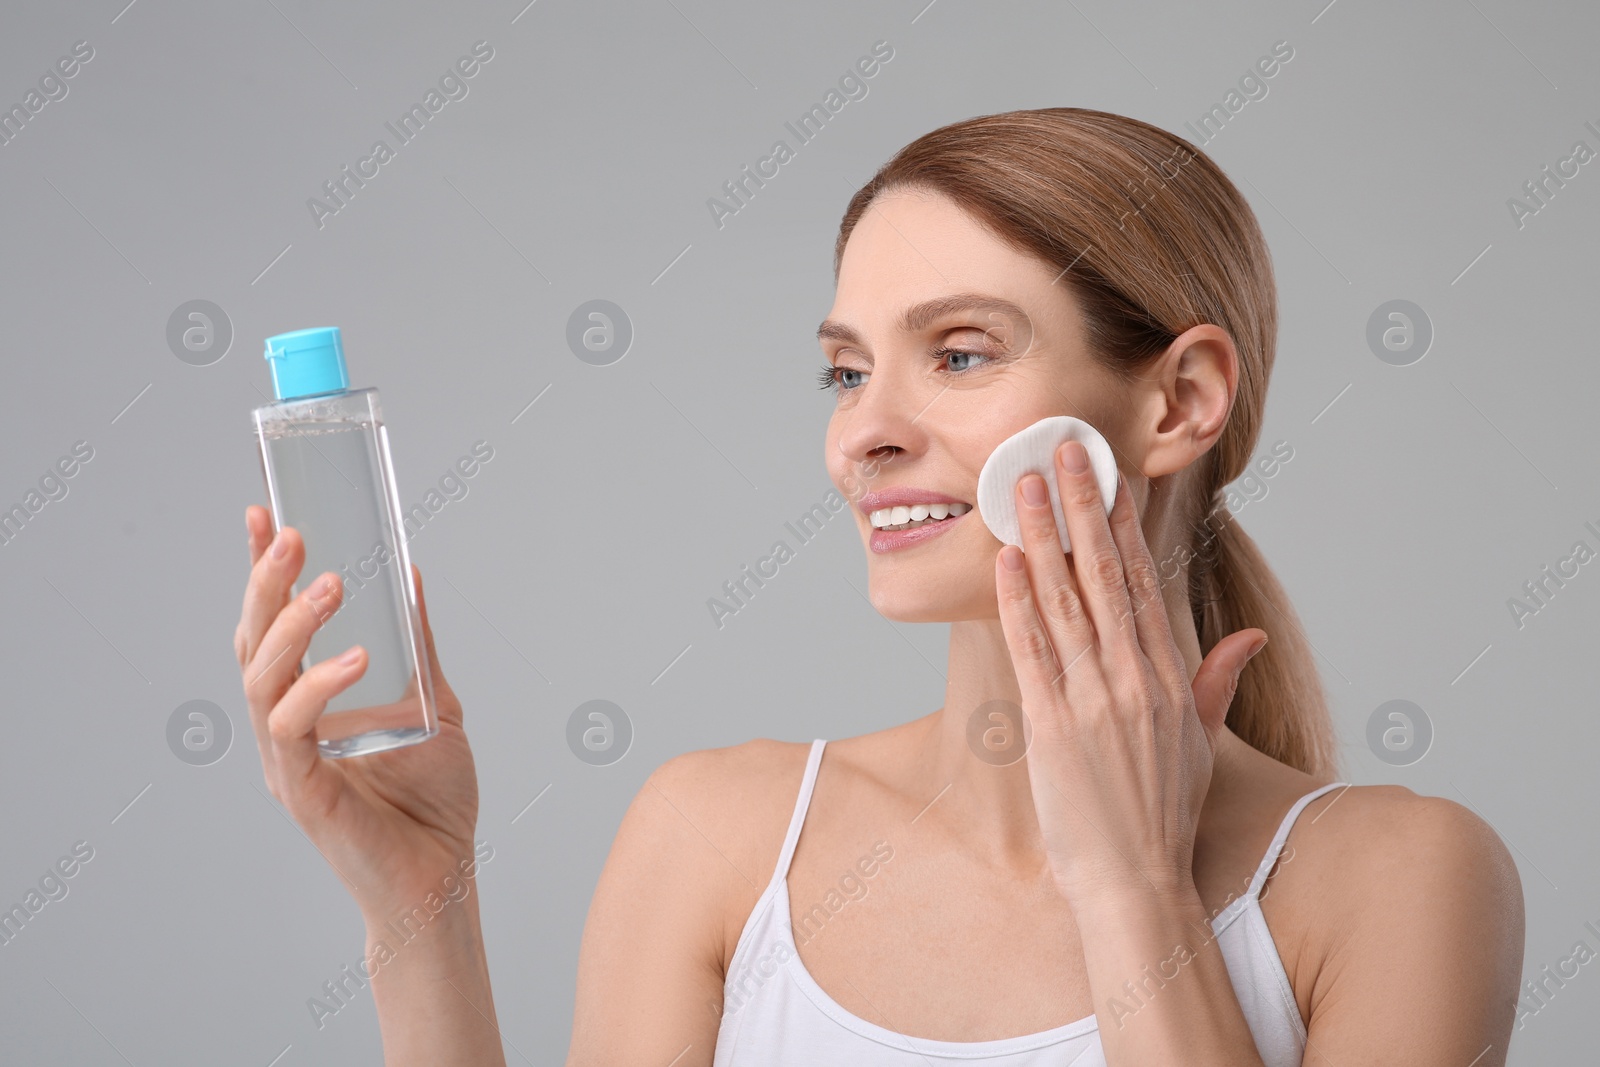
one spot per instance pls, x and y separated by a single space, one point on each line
350 657
1011 556
280 547
1258 647
320 587
1074 457
1033 491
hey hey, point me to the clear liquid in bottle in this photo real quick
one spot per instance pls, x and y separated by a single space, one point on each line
325 458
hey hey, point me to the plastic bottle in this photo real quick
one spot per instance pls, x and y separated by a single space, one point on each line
325 458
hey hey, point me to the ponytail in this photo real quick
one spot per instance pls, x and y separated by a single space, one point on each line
1232 588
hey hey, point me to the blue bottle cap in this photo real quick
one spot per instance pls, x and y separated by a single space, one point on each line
307 362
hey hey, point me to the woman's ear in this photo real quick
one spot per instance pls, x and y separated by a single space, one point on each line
1185 397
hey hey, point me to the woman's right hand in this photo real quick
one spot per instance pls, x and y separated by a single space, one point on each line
392 824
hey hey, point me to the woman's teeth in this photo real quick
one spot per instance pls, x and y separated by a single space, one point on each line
905 518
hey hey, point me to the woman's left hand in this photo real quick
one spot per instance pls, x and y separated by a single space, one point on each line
1121 744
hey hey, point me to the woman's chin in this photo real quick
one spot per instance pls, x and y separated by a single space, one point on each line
901 601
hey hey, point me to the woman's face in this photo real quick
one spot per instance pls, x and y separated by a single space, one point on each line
909 417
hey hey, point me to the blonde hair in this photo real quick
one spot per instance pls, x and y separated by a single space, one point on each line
1151 239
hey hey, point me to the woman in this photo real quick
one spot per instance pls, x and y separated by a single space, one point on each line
1068 862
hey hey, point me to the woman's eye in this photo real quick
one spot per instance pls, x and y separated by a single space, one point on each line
961 358
831 377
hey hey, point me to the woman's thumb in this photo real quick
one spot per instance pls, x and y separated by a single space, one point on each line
1218 677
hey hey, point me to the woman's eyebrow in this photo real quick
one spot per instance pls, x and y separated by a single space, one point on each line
918 316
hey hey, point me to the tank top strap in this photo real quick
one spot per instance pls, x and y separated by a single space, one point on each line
1265 867
801 804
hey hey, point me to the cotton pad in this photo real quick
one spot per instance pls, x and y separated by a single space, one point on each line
1033 450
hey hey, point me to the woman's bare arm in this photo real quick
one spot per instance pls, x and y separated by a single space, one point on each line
649 989
1424 957
433 997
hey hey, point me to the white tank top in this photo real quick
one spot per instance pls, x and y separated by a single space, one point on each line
776 1015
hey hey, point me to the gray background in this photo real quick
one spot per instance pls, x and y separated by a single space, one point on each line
1418 501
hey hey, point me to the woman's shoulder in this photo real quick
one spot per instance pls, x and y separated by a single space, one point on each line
1371 840
1389 841
728 793
736 791
1359 841
719 817
689 848
1378 880
748 791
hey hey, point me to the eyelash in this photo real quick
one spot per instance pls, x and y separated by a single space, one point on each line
828 377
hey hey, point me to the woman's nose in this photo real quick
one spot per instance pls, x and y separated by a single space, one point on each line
887 419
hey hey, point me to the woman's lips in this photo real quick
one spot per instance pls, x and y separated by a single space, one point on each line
891 540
